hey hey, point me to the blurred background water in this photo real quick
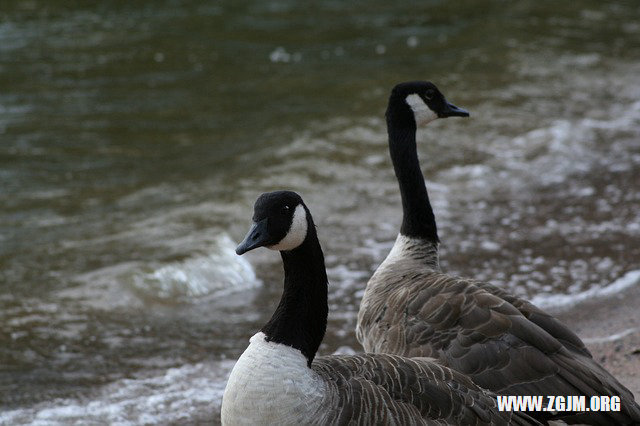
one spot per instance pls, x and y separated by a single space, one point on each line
135 137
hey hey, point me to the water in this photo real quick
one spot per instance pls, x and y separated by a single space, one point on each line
134 140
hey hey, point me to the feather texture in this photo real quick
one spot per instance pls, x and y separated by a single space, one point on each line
388 389
501 342
272 384
278 380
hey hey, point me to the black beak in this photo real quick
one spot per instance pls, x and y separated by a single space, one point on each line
256 237
450 110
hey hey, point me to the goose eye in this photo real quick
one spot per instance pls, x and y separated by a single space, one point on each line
285 209
429 94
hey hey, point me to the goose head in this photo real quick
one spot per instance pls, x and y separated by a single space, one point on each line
422 102
279 223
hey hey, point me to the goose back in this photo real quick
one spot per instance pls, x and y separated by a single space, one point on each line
502 342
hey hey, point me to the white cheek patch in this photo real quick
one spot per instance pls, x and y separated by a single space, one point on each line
421 111
297 231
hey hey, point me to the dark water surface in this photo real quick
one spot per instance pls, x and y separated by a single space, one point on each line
134 139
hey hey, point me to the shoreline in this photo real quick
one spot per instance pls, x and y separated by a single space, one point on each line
610 328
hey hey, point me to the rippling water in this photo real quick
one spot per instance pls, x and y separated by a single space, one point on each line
134 140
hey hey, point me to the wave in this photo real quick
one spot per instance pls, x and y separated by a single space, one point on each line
628 280
217 271
190 393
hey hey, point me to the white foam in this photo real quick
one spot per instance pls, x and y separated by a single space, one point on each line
189 393
280 54
630 279
345 350
217 272
196 277
611 338
220 272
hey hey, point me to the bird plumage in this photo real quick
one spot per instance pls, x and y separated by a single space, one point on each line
279 379
502 342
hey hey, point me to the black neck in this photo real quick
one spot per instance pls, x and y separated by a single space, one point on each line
418 220
300 320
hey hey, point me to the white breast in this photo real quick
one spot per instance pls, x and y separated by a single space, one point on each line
271 384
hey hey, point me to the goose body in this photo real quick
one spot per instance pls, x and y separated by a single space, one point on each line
279 380
502 342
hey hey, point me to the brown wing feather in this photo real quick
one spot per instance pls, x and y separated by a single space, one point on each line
388 389
502 342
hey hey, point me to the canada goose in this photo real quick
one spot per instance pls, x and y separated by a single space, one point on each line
502 342
278 379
